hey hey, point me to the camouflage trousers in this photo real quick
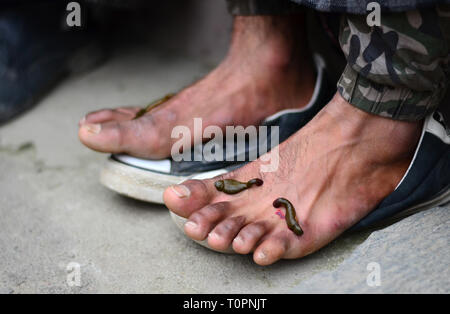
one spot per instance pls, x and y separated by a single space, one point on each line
398 70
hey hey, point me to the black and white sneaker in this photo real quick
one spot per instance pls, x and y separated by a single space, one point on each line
426 183
146 180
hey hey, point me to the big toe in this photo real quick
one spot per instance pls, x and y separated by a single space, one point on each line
108 115
183 199
119 137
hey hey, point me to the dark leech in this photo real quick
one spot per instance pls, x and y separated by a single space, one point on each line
291 219
230 186
152 105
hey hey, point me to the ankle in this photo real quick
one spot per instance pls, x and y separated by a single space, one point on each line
273 41
391 137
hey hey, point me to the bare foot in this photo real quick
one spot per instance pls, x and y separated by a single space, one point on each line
267 69
334 171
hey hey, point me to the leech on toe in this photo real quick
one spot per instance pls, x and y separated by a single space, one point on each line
291 219
152 105
230 186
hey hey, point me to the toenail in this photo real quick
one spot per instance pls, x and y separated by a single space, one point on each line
181 191
213 235
191 225
82 121
262 255
238 240
93 128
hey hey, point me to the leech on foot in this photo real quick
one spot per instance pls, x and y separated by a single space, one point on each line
152 105
291 219
230 186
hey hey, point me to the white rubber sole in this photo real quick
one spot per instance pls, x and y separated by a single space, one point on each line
441 199
143 185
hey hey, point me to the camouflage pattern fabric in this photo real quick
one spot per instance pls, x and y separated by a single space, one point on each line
275 7
400 69
360 6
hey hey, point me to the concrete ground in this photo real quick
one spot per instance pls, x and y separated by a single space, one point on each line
54 212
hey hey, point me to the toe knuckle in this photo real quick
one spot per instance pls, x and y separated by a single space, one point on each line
198 186
213 211
198 217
